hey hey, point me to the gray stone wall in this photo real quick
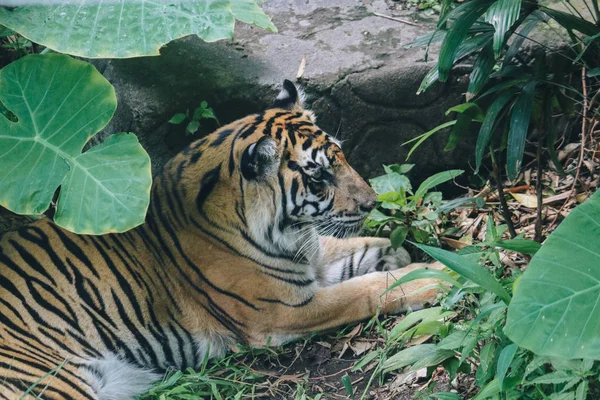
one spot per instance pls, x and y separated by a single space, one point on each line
359 79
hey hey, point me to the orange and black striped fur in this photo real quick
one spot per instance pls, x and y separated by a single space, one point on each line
245 242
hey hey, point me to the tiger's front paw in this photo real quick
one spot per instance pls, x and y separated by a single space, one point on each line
392 259
413 295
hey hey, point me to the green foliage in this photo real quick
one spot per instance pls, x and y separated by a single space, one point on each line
193 119
14 43
515 96
236 376
468 269
129 28
400 213
471 329
555 310
232 382
59 103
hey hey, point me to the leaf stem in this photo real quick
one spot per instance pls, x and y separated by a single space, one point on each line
500 189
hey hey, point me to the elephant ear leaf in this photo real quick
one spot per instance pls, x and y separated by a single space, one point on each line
59 103
555 307
124 29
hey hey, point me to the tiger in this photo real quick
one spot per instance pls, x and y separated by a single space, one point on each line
250 238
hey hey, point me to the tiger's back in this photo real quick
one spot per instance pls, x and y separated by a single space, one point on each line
232 251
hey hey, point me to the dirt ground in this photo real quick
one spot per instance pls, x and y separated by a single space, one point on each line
320 363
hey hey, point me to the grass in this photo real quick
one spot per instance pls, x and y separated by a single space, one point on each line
341 364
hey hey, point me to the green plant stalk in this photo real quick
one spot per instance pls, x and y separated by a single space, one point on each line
596 10
500 189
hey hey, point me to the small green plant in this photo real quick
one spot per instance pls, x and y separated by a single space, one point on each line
14 46
531 345
193 118
487 251
512 99
400 213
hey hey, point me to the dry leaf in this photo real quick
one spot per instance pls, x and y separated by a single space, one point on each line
354 332
528 200
456 244
567 150
289 378
360 347
581 197
301 68
558 197
344 348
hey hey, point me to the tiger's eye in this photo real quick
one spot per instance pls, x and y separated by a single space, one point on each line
317 176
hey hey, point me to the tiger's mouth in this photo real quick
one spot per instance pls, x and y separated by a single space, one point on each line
342 227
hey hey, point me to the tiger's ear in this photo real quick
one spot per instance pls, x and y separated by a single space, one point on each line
290 97
260 159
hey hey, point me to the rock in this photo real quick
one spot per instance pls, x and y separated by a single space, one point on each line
359 79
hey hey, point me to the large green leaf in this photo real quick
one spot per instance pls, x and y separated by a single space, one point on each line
468 269
427 39
468 46
425 355
502 15
126 28
60 104
519 125
466 14
416 318
392 182
468 112
487 128
504 360
572 22
423 273
436 179
424 136
555 310
521 245
530 22
481 71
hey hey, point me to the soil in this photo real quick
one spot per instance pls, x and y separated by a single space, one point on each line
321 362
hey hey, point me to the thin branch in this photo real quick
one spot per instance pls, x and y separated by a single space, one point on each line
395 19
538 190
582 146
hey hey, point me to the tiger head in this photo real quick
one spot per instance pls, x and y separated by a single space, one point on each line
277 174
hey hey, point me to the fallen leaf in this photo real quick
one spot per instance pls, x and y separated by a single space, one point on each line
301 68
567 150
354 332
455 244
360 347
528 200
581 197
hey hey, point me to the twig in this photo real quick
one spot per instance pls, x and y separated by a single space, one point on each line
583 127
319 378
538 190
581 147
395 19
594 149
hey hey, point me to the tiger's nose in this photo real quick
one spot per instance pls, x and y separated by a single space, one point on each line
368 202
